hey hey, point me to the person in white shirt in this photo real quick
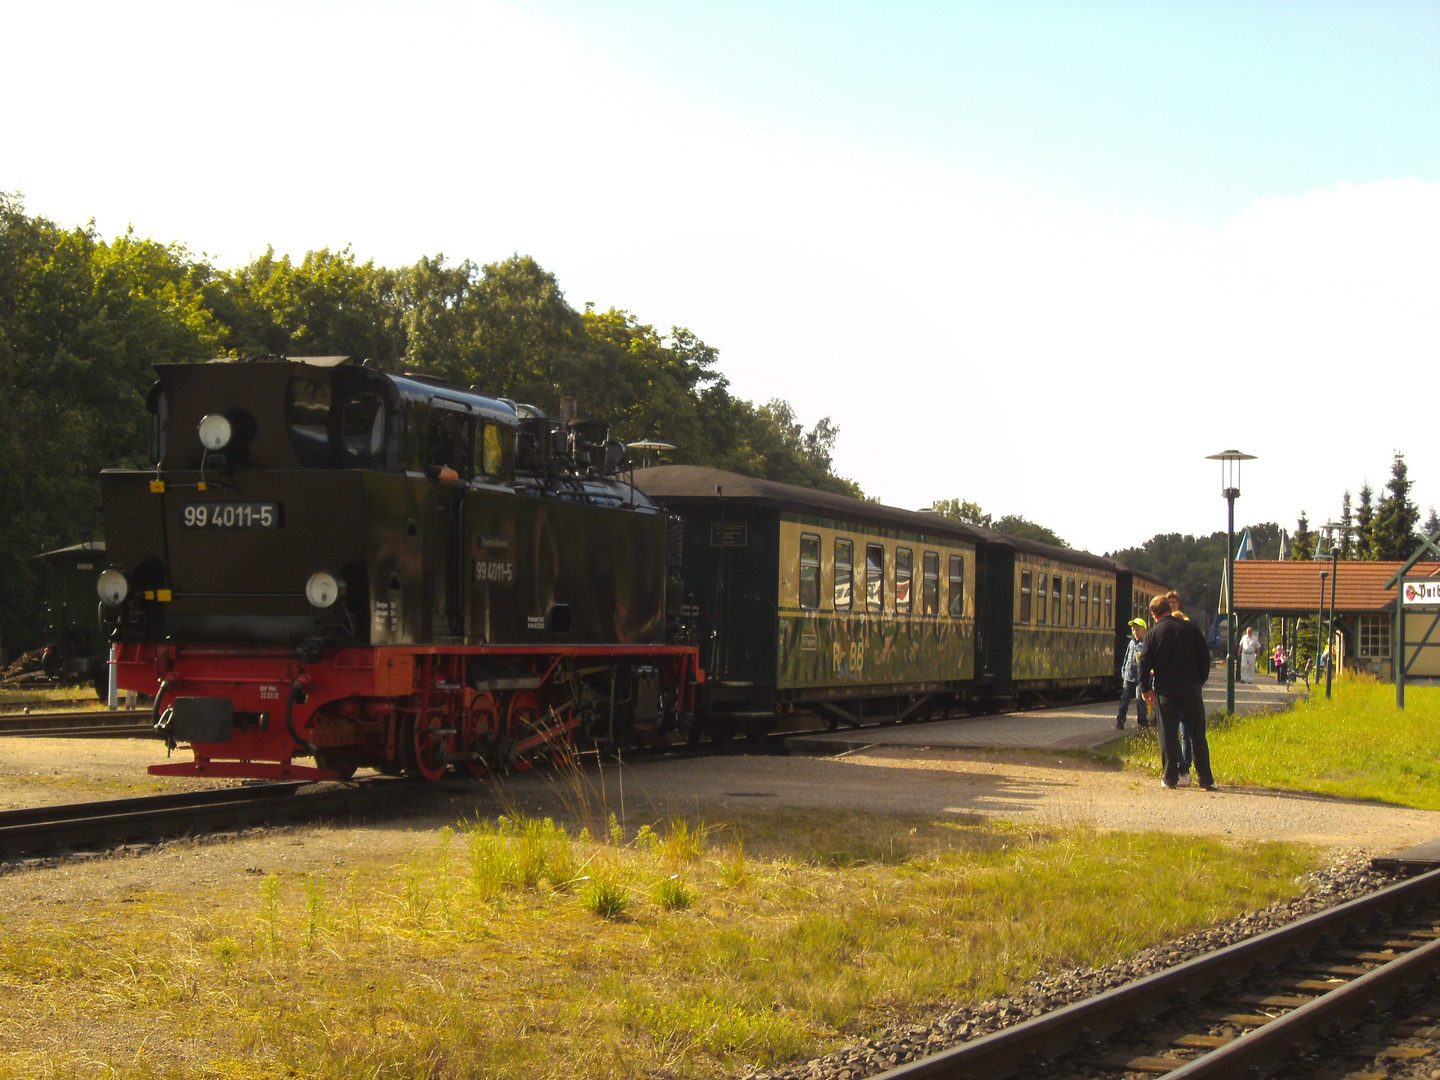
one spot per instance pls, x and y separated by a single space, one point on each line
1249 650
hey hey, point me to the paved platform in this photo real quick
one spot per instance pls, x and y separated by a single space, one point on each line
1073 727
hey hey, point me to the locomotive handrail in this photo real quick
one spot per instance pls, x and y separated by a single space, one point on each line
158 721
297 692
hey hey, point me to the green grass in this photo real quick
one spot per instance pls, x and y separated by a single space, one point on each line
1357 745
695 951
66 697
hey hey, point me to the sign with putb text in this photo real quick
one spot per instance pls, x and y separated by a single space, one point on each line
1420 592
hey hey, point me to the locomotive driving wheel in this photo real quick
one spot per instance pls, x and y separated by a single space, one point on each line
535 731
522 721
479 729
422 747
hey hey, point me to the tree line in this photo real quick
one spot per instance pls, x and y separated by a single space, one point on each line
1008 524
84 318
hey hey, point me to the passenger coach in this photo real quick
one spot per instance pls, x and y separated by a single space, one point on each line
804 598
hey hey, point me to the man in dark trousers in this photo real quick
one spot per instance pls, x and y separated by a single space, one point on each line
1174 664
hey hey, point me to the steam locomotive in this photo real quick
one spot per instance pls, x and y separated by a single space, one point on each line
333 563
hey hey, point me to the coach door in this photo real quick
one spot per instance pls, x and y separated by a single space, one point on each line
449 456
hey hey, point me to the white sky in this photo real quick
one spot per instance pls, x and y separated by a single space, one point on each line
987 239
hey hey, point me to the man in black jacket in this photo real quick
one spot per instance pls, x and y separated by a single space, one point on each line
1174 665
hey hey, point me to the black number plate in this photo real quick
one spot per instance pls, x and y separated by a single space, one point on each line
231 516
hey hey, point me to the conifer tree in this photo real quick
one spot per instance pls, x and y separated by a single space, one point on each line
1392 533
1364 520
1302 544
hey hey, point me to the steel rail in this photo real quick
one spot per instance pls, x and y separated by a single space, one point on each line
1340 1009
48 828
1012 1050
88 722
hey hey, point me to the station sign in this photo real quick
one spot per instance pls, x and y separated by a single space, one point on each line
1420 592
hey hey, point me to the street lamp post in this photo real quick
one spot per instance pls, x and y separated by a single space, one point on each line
1320 621
1331 527
1330 622
1230 489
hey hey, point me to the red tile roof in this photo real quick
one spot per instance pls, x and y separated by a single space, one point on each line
1293 587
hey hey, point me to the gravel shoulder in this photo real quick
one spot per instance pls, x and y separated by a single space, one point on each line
1015 785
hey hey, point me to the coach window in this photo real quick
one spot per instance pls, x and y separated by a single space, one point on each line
875 577
1095 607
809 571
904 571
1055 601
1026 596
957 587
1069 601
844 573
1109 605
930 584
1084 603
1042 597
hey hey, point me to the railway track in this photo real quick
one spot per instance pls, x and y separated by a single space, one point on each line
65 829
88 723
1297 1002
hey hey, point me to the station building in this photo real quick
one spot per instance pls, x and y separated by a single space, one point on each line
1276 592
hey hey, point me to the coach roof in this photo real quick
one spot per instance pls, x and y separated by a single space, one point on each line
679 485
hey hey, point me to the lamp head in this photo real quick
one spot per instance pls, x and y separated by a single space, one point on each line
1230 471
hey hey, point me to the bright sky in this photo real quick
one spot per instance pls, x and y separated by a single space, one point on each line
988 239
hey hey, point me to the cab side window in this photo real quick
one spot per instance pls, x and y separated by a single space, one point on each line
490 456
447 442
307 410
362 427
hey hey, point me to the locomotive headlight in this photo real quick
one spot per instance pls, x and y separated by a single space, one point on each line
215 432
322 590
112 587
